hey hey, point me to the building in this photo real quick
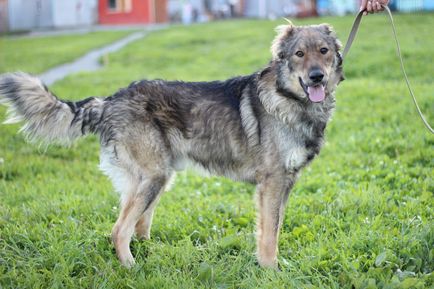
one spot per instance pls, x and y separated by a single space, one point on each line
188 11
4 25
272 9
34 14
21 15
204 10
132 11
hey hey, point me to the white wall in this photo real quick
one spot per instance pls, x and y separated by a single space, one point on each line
34 14
67 13
29 14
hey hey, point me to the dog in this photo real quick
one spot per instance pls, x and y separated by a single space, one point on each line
261 128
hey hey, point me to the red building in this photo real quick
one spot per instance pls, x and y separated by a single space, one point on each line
132 11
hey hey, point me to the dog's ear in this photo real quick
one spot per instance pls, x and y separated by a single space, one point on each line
326 28
338 44
284 33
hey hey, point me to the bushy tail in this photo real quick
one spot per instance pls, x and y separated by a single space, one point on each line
47 118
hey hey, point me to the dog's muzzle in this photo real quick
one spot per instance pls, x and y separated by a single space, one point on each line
315 89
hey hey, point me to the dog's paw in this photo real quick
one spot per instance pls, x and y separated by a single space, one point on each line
271 264
127 262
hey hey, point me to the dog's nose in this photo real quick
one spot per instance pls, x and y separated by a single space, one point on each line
316 75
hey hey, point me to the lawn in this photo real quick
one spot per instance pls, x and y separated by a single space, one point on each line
37 54
361 216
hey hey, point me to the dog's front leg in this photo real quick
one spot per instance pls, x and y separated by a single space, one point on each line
272 194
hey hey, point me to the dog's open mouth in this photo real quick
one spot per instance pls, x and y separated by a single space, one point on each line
316 93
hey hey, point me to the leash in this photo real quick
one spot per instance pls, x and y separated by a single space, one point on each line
350 40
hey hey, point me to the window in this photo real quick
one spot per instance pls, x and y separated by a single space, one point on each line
120 5
112 4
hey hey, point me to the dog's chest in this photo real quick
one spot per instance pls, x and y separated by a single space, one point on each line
297 143
291 152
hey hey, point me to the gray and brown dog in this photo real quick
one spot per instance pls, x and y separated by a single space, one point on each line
261 128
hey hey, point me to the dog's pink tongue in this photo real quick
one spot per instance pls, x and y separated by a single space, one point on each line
316 93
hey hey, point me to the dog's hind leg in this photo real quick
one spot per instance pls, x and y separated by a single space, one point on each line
139 166
272 194
143 225
134 206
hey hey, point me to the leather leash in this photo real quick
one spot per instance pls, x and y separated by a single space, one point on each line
350 40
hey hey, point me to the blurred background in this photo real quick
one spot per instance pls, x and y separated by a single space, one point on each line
24 15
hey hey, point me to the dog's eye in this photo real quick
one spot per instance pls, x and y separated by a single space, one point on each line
323 50
299 53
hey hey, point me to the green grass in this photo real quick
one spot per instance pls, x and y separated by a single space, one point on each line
361 216
35 55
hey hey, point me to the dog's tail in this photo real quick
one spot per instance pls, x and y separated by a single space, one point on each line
47 118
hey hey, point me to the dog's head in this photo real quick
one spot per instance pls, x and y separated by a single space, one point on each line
308 62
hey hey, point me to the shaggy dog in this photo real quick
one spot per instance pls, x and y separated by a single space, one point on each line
261 128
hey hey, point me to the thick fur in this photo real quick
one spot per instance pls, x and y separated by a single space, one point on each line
260 128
